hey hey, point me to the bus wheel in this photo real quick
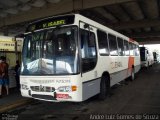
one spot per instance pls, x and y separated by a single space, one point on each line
104 88
132 74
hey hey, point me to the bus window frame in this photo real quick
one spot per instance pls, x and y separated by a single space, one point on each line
119 47
78 66
128 48
79 40
103 54
109 44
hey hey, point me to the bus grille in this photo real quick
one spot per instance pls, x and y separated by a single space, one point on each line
42 89
46 97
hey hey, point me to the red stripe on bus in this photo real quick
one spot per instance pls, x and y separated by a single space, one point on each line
131 40
130 63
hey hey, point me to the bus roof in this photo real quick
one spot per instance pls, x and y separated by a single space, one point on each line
105 28
70 19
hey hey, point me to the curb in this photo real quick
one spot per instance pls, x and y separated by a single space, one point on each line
4 108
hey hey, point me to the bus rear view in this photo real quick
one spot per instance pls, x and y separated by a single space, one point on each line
146 57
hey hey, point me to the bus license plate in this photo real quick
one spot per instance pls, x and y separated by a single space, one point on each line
64 96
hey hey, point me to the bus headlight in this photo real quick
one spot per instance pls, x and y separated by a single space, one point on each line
67 88
25 87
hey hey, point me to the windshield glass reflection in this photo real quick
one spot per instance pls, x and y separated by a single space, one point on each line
52 51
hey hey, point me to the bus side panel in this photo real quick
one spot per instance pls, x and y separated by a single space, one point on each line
118 76
137 68
137 64
90 88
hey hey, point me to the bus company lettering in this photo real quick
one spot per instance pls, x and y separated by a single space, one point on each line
51 81
116 65
62 81
54 23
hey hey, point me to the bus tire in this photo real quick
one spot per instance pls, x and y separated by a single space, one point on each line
104 88
132 74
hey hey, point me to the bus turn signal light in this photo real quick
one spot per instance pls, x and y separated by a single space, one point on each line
74 88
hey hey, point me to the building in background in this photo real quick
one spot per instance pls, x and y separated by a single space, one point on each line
11 48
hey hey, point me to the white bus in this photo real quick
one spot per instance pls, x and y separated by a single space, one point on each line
72 58
147 58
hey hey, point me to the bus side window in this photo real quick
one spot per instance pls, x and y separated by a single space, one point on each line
113 45
88 50
137 50
131 48
120 46
102 43
126 47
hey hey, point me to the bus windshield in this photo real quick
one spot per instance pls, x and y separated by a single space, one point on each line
51 51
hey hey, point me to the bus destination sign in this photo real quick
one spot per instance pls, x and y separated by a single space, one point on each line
50 22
